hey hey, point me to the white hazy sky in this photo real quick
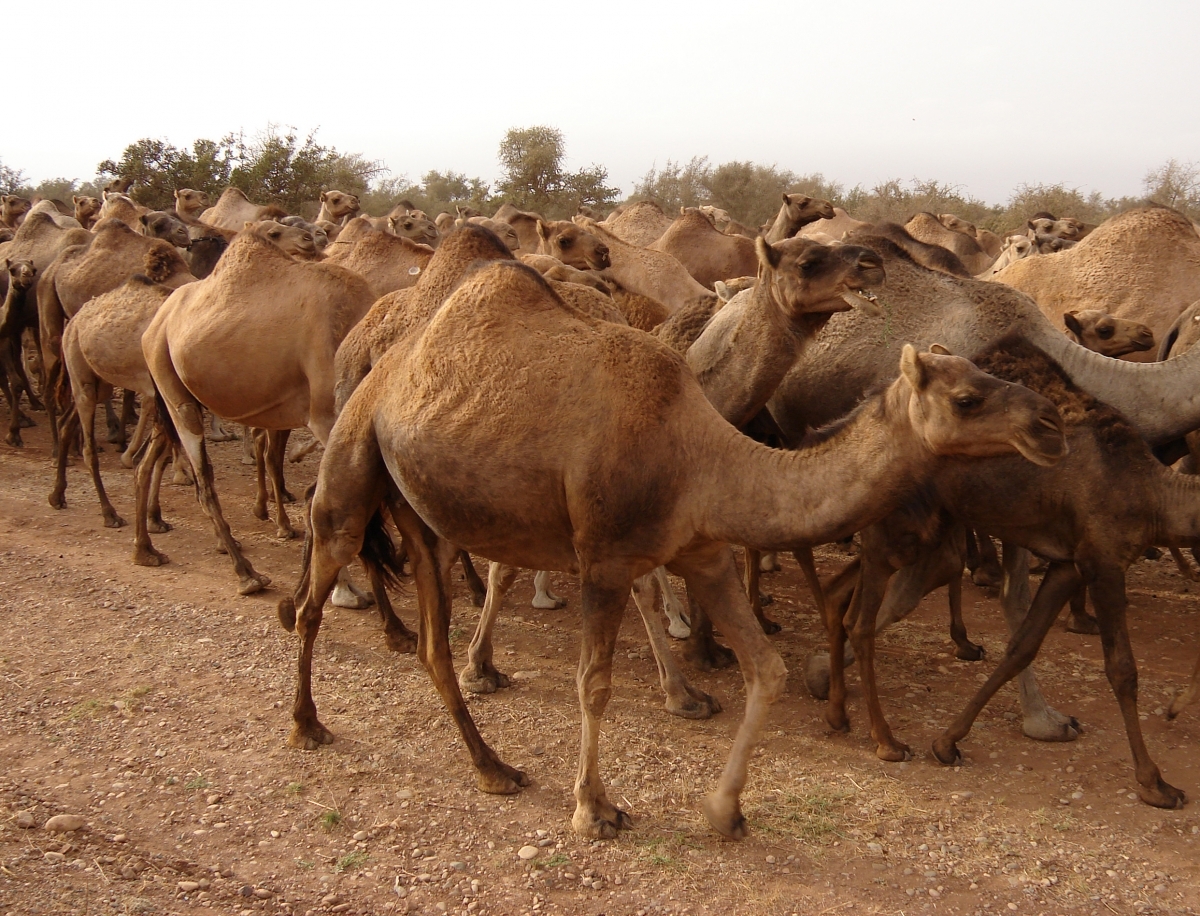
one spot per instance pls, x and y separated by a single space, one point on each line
1090 94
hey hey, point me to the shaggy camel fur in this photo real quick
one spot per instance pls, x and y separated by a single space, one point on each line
387 262
102 348
337 206
233 210
706 254
16 315
1143 265
649 273
798 211
642 223
1052 510
439 432
279 321
82 272
925 227
1106 335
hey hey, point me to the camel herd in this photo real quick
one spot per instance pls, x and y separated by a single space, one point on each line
615 398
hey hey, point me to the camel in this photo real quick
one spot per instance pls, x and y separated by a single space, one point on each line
161 224
338 206
726 223
1142 265
124 208
854 352
1015 248
15 316
444 222
650 273
573 245
524 223
233 210
926 227
101 348
1068 229
836 227
984 238
118 185
257 294
1107 335
189 204
13 209
413 225
592 393
798 211
114 253
706 254
1053 510
642 223
87 210
387 262
506 232
552 268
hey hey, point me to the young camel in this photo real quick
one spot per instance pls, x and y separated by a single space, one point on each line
536 474
1052 510
798 211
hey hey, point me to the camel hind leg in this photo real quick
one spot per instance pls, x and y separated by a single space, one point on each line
479 674
679 625
543 598
683 699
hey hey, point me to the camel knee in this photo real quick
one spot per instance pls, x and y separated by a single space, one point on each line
771 677
595 698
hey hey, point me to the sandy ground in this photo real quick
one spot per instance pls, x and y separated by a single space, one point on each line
155 705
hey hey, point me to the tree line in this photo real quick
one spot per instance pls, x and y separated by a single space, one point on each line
280 166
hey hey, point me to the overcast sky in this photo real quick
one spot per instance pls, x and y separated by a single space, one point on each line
1089 94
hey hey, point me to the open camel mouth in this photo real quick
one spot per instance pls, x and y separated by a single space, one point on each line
866 302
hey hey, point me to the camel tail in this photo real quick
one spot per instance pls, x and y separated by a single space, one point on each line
379 552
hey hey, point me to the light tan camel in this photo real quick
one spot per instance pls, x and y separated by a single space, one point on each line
926 227
538 476
835 228
189 204
257 295
726 223
706 254
524 223
1068 229
387 262
574 245
649 273
413 225
641 223
798 211
1106 335
984 238
1015 248
1142 265
13 209
87 210
337 206
233 210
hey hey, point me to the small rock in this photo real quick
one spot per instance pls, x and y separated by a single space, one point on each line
226 872
262 893
118 838
360 836
214 799
204 883
331 900
128 873
246 890
341 908
54 858
65 823
770 860
189 886
25 820
527 852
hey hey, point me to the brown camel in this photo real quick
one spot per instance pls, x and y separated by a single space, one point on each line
573 245
926 227
102 348
189 204
984 238
87 210
1142 265
387 262
82 272
413 225
13 209
798 211
122 207
1106 335
537 475
18 312
1044 227
337 206
524 223
641 223
233 210
706 254
1053 510
280 321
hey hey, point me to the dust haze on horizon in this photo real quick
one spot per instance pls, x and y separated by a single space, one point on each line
1090 95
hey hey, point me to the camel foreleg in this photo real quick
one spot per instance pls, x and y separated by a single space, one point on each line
683 699
479 674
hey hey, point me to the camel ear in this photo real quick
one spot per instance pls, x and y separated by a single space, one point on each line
392 223
768 254
721 290
142 219
912 367
249 225
787 198
1072 322
939 350
323 193
543 231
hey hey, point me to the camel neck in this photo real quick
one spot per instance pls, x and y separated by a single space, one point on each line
775 499
1162 399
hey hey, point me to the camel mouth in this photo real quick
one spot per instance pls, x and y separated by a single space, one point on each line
865 302
599 260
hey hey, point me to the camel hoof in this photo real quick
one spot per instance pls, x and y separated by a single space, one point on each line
1085 624
1152 553
946 752
149 557
725 818
286 534
764 600
288 497
838 722
693 705
770 627
679 630
57 501
1180 703
222 436
310 737
987 576
114 521
401 641
483 681
712 657
970 652
1039 728
26 422
549 603
286 612
769 564
126 460
477 598
894 753
14 439
260 513
600 827
158 526
504 780
254 583
1162 795
816 677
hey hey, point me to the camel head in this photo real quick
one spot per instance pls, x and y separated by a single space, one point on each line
803 209
715 215
319 233
1046 228
415 225
1106 335
295 241
20 273
7 233
572 244
961 411
118 186
957 224
338 204
159 224
466 211
808 279
87 210
189 203
13 209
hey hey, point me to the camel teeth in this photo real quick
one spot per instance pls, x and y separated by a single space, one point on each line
868 303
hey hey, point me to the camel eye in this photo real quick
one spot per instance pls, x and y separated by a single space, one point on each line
1104 333
566 243
968 402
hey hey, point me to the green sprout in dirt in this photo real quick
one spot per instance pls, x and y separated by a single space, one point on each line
330 818
815 816
350 860
556 860
295 788
197 782
87 708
